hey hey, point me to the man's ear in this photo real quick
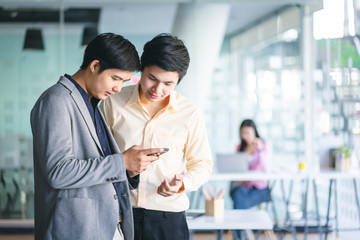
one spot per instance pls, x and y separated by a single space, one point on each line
94 66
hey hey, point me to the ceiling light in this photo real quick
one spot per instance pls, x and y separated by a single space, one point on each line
89 34
33 40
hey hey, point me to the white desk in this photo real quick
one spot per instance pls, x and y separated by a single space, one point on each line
278 175
308 176
284 175
232 220
257 175
17 223
17 226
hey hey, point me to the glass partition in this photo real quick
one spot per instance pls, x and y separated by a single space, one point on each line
25 75
270 92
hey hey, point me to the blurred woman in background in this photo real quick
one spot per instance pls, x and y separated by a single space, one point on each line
247 194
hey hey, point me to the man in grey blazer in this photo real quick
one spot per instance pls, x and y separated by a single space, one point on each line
81 178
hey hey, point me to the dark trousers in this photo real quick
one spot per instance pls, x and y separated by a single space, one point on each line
159 225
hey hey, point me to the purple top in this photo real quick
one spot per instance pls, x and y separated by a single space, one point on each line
261 162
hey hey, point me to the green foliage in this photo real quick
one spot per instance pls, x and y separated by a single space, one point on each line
343 48
342 149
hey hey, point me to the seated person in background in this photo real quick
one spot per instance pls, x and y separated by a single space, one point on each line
247 194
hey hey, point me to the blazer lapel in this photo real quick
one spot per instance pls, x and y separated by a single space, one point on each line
112 142
79 101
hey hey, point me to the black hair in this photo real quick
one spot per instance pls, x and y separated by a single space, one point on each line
112 51
247 123
167 52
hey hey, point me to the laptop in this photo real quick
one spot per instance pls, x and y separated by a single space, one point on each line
233 163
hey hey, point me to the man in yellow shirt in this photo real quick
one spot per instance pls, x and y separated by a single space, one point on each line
153 114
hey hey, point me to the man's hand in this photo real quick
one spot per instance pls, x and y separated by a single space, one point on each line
167 189
137 160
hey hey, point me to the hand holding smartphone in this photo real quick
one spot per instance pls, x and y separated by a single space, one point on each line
159 153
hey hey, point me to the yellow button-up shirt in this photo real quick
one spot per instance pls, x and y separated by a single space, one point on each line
180 127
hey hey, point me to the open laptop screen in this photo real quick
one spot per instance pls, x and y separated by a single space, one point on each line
233 163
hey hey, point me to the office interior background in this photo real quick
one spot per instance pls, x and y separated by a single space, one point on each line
291 65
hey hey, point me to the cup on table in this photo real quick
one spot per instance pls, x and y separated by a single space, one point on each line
302 165
214 207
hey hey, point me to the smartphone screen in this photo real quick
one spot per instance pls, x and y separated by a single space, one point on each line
165 150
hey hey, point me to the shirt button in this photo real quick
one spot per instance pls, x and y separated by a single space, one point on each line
104 149
115 197
99 130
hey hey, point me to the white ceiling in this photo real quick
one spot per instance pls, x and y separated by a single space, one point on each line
149 17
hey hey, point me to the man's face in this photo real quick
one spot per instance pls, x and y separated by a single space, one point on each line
101 85
156 83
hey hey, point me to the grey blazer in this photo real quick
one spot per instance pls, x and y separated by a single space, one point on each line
74 195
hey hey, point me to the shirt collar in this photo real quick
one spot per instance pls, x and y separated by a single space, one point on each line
135 97
173 102
85 96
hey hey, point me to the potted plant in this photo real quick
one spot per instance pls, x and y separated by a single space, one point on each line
341 156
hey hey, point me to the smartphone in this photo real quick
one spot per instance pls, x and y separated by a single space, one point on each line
165 150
